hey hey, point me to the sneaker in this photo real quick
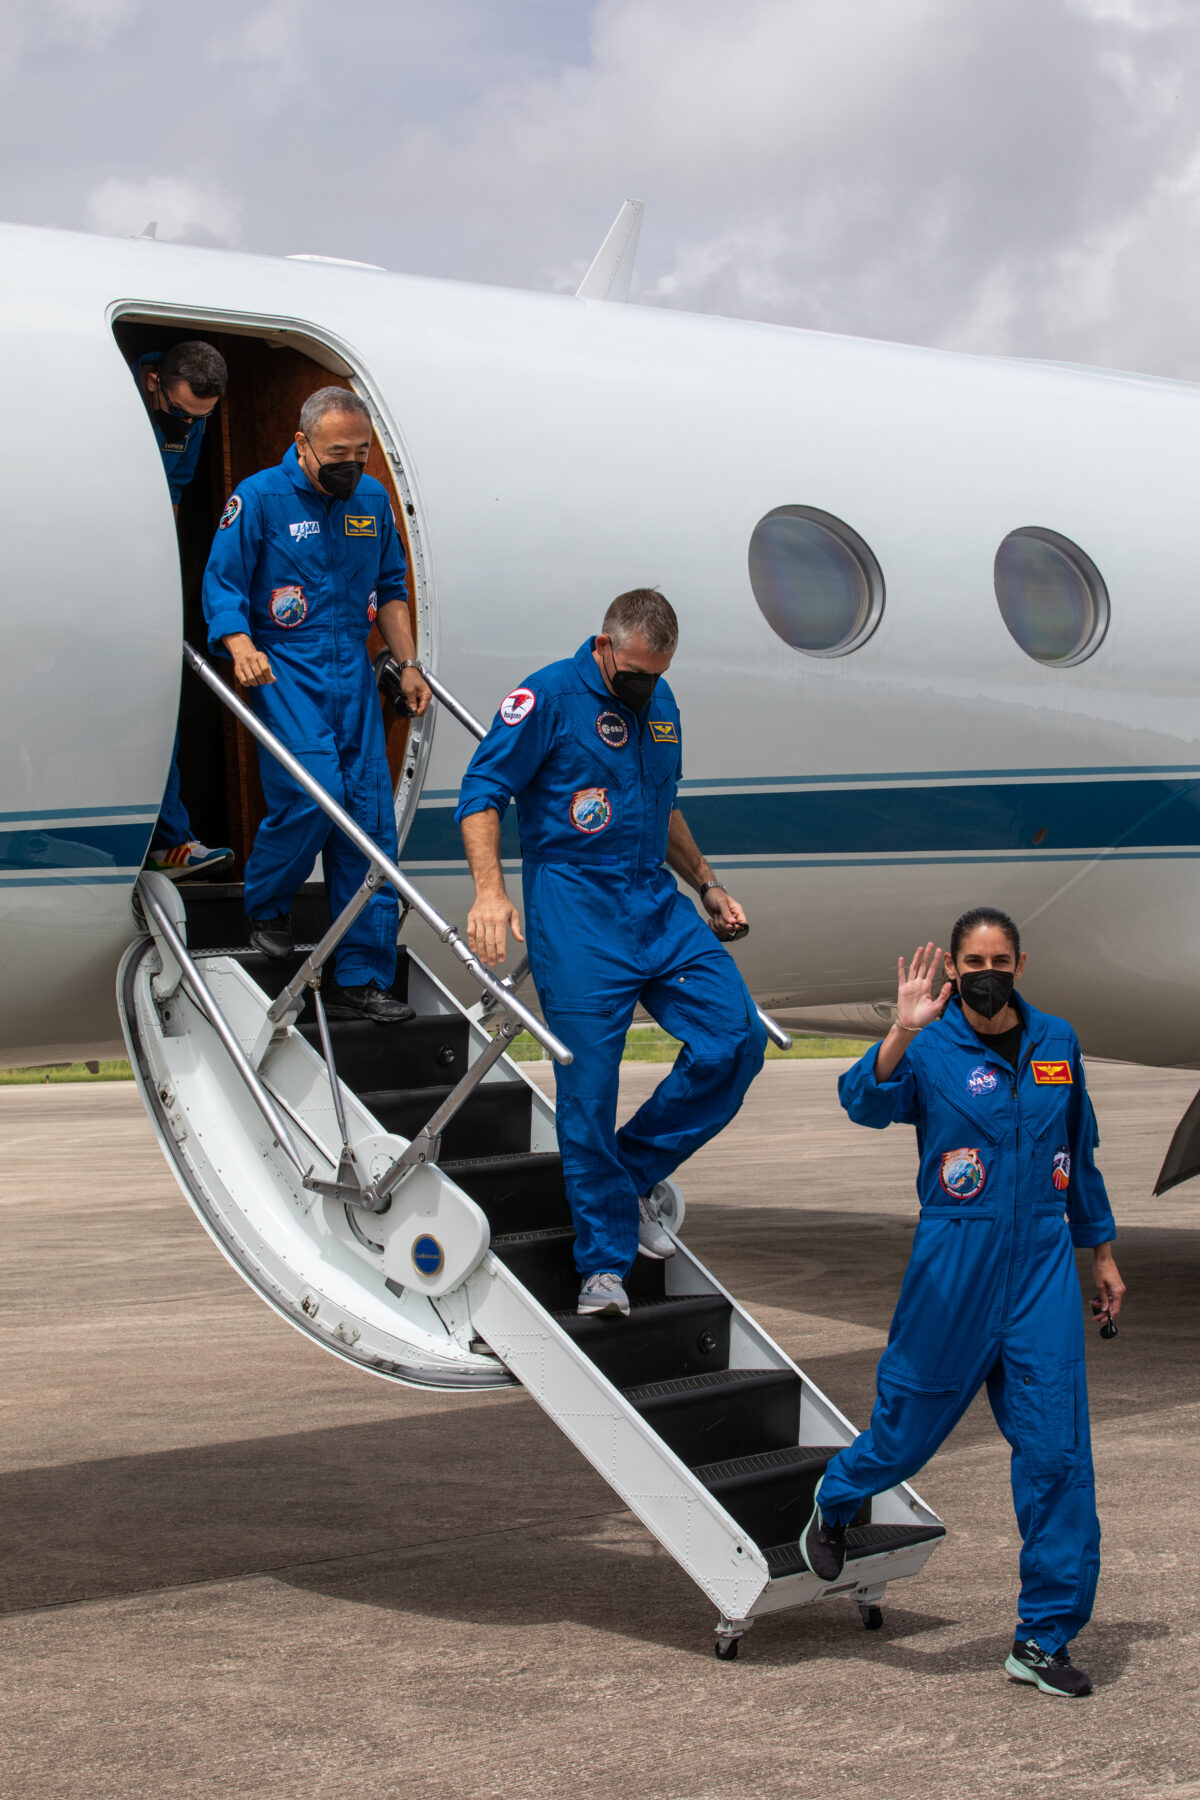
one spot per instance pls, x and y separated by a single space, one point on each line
652 1239
272 936
1052 1674
603 1295
823 1546
369 1002
187 859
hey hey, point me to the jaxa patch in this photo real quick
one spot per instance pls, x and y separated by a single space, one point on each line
663 731
361 525
1052 1074
982 1080
962 1174
233 508
518 705
591 809
1061 1173
613 730
306 528
288 607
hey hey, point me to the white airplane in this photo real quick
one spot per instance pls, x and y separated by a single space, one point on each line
939 628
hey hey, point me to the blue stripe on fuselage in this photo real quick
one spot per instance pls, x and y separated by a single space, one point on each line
79 846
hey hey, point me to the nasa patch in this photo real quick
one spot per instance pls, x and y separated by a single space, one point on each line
288 607
962 1174
233 508
982 1080
591 809
613 730
517 706
1061 1175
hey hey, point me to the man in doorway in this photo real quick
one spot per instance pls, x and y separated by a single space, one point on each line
590 747
306 557
180 388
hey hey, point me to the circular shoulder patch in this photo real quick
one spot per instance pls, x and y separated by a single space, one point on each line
982 1080
591 809
962 1174
613 730
517 706
233 507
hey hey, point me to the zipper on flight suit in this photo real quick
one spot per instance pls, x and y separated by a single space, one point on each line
1015 1078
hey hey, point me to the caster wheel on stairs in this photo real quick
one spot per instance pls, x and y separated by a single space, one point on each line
726 1649
872 1617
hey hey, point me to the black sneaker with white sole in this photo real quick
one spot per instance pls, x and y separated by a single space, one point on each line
1050 1672
822 1545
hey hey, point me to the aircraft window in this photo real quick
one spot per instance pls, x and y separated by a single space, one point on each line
817 584
1051 596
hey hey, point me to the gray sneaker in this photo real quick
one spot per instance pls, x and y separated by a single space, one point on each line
603 1294
652 1239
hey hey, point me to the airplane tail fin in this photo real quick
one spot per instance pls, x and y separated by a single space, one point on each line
1182 1160
611 272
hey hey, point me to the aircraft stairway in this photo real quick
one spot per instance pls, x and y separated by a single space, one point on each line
419 1229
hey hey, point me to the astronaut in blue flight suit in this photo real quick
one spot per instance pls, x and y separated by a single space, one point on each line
591 749
1008 1189
306 558
180 388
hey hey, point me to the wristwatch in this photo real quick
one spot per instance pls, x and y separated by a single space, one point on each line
704 887
411 663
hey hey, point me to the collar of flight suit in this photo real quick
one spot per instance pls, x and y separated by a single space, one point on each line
289 462
1035 1024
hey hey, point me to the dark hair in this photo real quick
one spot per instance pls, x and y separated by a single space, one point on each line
197 363
984 915
643 612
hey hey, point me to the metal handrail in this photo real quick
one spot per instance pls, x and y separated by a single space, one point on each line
412 896
465 717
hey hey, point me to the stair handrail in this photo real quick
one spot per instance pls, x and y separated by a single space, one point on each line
411 895
465 717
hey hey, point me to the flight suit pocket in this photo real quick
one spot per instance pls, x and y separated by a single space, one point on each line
896 1371
1048 1415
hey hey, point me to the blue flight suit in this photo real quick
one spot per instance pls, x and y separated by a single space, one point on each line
607 928
302 574
180 456
1008 1186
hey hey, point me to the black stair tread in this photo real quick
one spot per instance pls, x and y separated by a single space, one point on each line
509 1240
861 1541
690 1384
765 1462
511 1162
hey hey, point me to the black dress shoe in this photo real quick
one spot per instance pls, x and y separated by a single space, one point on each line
370 1002
272 936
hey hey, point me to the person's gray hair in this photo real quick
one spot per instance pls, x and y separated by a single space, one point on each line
330 400
644 613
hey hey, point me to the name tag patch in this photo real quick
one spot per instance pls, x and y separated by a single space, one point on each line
306 528
613 730
591 809
1052 1074
663 731
288 607
360 525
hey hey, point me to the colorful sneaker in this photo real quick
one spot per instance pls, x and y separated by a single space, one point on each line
822 1545
652 1239
603 1295
187 859
1052 1674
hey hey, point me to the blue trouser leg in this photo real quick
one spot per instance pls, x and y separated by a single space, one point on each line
702 1000
174 826
603 1199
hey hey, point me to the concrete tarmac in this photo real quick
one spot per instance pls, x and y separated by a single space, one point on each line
232 1566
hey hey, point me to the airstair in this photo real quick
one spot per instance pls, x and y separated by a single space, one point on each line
395 1193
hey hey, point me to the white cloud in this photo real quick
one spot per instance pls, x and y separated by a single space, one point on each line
198 211
32 25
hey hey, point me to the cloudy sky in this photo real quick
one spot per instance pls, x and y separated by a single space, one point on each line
1010 176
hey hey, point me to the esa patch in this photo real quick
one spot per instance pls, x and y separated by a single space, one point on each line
372 606
288 607
305 528
1052 1074
1061 1174
233 508
360 525
518 705
962 1174
982 1080
663 731
591 810
613 730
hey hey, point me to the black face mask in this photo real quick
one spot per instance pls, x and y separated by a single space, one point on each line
986 991
632 687
175 430
339 479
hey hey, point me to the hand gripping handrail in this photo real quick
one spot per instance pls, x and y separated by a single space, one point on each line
413 898
466 718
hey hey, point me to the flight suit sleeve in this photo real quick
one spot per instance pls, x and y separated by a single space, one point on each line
391 582
509 756
880 1103
1089 1214
230 571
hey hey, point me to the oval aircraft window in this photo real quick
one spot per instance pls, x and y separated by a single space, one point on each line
1051 596
817 584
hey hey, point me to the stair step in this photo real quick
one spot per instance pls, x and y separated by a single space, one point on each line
684 1334
722 1414
861 1541
423 1052
770 1494
497 1116
216 913
544 1263
517 1192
